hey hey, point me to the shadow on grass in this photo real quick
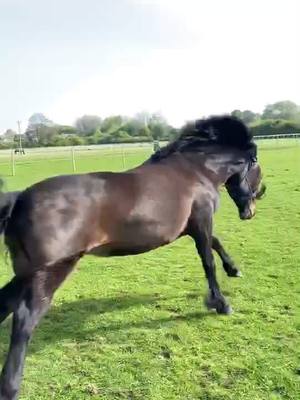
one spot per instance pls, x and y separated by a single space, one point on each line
69 320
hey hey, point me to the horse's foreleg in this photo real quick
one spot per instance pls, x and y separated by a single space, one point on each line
36 299
201 232
228 264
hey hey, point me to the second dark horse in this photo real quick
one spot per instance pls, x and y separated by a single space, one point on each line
52 224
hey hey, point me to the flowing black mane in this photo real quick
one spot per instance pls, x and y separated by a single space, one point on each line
219 130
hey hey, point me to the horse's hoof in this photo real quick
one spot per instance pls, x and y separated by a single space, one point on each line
225 310
235 273
218 304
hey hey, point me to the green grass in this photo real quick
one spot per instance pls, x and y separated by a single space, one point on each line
135 328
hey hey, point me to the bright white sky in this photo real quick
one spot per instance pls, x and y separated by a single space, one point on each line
185 58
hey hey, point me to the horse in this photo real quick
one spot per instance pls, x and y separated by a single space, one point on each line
19 151
51 225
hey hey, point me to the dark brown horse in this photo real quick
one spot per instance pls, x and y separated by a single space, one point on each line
52 224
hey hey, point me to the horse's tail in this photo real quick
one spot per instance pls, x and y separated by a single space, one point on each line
10 295
12 291
7 202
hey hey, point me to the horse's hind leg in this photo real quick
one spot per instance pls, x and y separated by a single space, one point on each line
228 264
34 303
10 294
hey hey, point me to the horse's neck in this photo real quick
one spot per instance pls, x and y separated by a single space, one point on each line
216 164
219 166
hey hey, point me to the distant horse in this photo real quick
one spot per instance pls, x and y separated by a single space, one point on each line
52 224
20 151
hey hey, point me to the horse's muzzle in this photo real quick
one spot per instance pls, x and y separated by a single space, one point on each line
249 212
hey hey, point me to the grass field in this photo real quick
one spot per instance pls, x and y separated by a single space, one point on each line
135 328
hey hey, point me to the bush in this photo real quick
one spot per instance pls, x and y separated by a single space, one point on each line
74 140
274 127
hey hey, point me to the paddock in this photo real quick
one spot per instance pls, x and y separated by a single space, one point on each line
136 328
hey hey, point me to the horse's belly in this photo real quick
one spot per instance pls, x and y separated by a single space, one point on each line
136 238
112 249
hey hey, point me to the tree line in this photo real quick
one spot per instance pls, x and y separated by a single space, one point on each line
278 118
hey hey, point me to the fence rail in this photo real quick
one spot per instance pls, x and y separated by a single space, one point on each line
279 136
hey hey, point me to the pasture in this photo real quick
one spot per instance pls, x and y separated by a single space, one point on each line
135 328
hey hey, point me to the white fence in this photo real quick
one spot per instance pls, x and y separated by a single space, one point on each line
119 156
274 137
72 159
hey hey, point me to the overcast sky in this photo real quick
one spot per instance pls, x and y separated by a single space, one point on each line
185 59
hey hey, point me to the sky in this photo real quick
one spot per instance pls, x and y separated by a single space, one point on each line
184 59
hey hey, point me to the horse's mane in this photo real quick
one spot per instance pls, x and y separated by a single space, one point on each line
225 131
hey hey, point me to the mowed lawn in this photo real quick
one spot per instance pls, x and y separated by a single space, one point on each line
136 328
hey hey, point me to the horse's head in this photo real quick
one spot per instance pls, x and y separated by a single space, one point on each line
245 187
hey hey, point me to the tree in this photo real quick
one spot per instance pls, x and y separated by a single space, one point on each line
282 110
144 131
67 130
246 116
31 136
88 124
134 127
46 134
40 130
39 119
158 127
96 138
143 117
121 136
9 135
112 124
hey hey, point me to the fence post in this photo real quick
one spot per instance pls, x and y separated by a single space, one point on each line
12 162
73 159
123 157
